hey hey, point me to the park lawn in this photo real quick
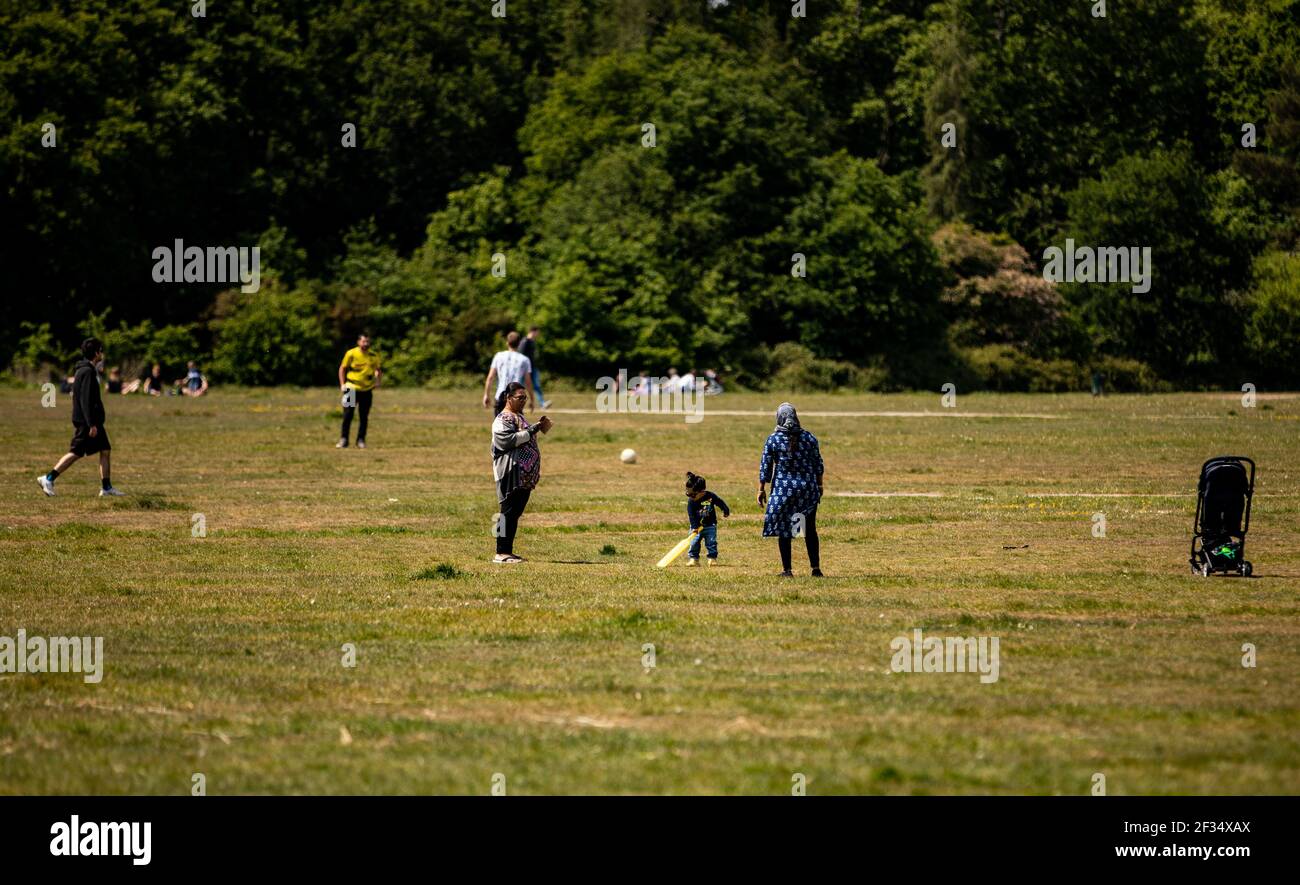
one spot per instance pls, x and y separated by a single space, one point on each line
223 653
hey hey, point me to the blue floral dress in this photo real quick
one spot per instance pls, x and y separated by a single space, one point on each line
794 481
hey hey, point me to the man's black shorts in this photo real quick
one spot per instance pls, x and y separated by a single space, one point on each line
85 444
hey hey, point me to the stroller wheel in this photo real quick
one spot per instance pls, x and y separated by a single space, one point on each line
1246 569
1205 569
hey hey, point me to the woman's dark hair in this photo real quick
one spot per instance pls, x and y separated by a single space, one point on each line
90 347
505 394
694 483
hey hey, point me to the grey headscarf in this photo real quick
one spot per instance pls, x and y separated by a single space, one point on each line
787 420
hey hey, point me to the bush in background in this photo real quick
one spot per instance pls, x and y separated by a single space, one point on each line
1273 320
795 367
271 337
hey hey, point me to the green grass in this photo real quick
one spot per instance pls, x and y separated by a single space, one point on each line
224 653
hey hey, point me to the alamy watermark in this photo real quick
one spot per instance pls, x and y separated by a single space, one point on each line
78 838
946 654
1104 264
179 263
55 654
651 396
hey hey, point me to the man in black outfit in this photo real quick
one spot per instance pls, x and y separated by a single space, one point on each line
88 434
528 347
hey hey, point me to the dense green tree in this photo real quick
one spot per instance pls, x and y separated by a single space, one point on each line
1273 165
1273 321
1163 201
873 279
1045 95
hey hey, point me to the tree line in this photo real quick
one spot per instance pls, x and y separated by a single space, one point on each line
861 196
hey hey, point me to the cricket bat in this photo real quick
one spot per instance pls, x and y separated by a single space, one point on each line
679 549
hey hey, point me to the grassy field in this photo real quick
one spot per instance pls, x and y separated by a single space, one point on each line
224 653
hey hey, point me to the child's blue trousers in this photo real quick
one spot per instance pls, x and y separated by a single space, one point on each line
709 534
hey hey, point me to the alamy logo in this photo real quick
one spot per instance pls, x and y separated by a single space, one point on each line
179 263
652 396
1105 264
91 839
946 654
57 654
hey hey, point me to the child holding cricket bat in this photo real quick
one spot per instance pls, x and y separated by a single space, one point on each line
700 510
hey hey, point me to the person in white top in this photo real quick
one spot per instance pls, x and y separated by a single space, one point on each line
508 365
688 381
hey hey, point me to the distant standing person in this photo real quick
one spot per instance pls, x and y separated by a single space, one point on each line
528 347
792 463
359 373
508 366
88 433
516 465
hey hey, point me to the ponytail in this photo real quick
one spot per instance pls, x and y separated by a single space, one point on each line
505 393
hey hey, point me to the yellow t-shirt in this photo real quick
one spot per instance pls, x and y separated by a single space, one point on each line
360 368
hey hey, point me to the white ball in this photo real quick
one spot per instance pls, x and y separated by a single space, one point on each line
628 456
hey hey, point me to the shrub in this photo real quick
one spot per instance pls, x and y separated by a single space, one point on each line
1273 318
794 367
1004 368
172 347
270 337
994 294
39 353
1124 375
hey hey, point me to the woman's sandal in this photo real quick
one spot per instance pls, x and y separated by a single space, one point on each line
786 575
507 559
817 573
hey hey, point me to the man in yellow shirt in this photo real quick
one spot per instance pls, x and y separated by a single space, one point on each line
359 375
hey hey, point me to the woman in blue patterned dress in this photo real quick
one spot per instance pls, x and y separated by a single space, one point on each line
792 463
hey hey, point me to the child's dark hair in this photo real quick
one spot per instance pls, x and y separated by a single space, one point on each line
90 347
694 483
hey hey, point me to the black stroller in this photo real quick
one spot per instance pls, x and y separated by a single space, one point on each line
1223 516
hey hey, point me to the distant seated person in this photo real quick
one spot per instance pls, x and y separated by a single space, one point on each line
114 382
153 385
66 385
138 383
194 383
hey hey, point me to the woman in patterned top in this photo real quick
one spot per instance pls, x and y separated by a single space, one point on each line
792 463
516 465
